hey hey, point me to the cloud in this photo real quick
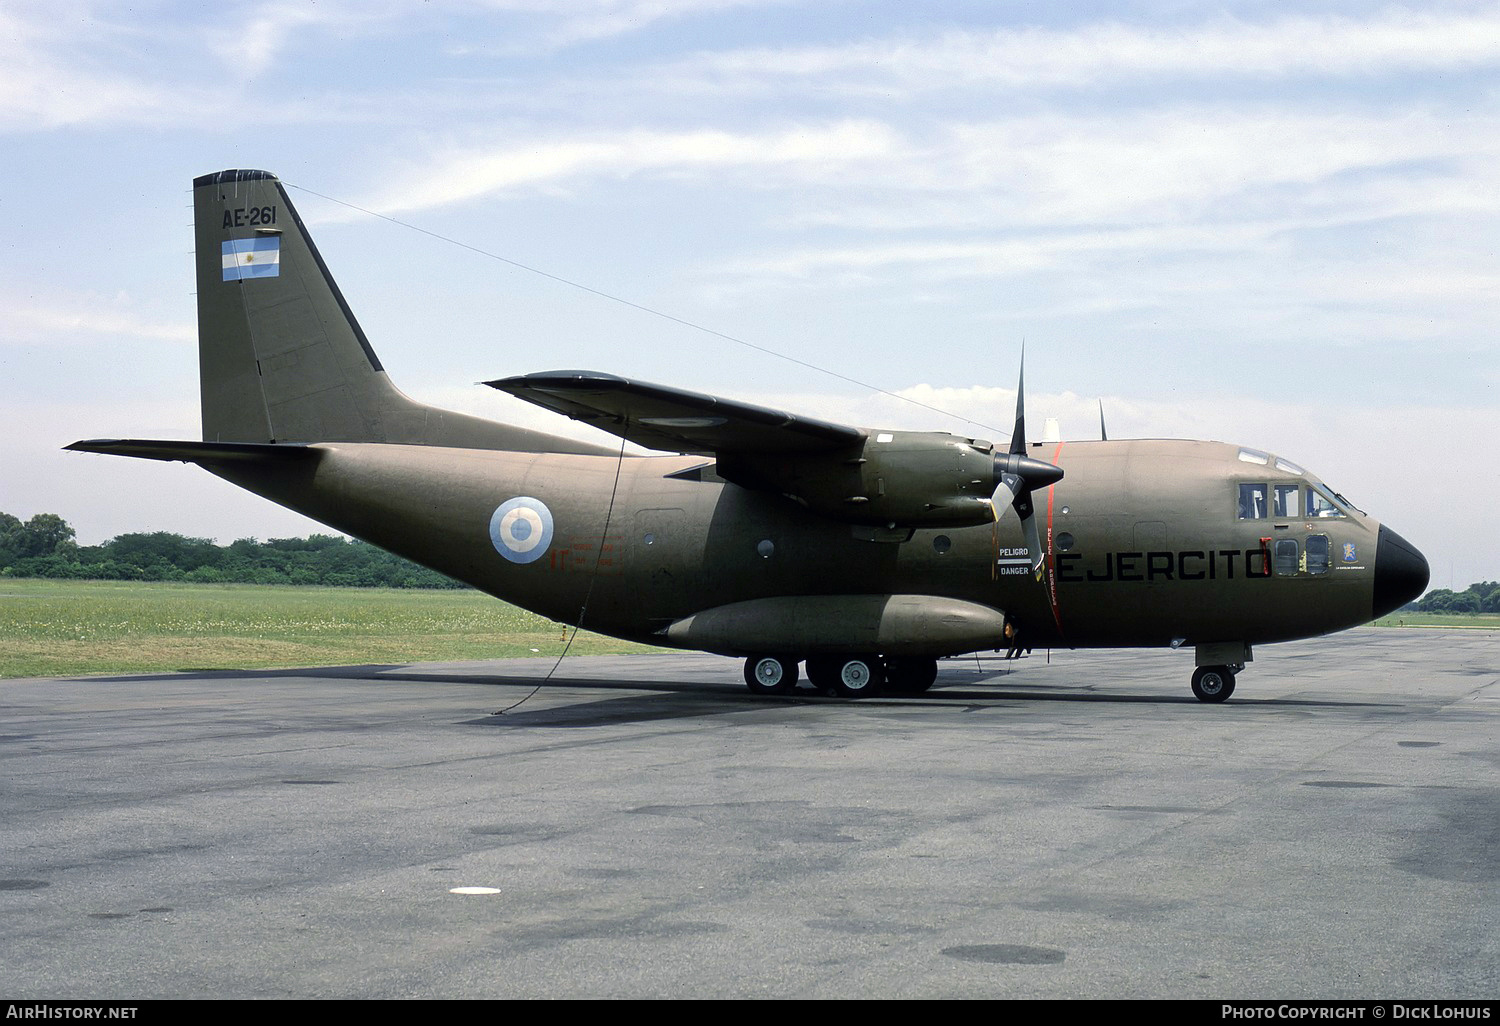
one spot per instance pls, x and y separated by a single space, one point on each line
46 82
464 175
250 47
1124 199
1157 166
584 21
26 323
1091 54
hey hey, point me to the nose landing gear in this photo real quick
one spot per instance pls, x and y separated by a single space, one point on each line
1213 683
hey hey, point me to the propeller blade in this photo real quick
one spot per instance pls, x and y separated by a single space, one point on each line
1018 435
1033 541
1018 475
1006 487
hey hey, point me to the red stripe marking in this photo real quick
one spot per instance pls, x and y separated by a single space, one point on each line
1050 558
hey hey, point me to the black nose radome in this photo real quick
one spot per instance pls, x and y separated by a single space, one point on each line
1401 572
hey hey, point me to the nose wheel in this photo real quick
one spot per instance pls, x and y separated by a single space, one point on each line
1213 683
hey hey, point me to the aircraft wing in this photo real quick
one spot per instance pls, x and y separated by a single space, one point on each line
674 420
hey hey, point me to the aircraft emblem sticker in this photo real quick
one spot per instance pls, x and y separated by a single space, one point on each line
521 529
1349 553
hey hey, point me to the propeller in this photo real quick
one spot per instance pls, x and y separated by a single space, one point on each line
1018 475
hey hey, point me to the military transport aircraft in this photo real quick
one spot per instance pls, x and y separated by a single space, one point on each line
864 554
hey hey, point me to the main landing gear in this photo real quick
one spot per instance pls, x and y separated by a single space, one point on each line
771 675
853 676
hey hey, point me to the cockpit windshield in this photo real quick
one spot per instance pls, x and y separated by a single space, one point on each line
1287 499
1321 503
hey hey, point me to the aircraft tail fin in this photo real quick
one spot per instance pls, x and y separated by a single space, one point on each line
281 356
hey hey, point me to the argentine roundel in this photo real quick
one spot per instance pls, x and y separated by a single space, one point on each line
521 529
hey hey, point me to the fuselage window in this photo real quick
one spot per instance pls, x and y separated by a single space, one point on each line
1317 553
1321 504
1285 556
1285 505
1252 502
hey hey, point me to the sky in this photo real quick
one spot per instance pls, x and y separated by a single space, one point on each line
1265 223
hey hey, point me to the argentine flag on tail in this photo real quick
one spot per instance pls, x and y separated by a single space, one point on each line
259 257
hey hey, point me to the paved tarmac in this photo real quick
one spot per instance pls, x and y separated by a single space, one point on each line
1074 828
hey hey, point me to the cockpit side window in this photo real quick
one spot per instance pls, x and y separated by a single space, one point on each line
1284 505
1320 504
1252 501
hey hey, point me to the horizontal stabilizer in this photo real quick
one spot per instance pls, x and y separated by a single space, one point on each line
195 452
674 420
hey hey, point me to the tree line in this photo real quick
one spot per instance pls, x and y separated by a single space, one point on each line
46 546
1482 597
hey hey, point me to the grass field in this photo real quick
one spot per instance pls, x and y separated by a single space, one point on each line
69 628
1490 621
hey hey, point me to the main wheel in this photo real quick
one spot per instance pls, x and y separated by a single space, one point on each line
771 675
823 673
858 676
910 675
1213 683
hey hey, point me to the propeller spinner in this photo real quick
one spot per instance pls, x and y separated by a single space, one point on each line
1019 475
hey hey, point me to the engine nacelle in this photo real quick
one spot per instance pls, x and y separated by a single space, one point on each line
895 478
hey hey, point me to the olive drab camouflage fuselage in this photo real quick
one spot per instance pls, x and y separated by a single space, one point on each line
779 538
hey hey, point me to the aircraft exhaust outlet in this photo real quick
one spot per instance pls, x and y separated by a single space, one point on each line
927 625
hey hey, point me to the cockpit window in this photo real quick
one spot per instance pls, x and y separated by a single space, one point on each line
1253 501
1289 467
1284 505
1320 503
1254 456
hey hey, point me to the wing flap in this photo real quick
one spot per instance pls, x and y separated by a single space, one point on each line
675 420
